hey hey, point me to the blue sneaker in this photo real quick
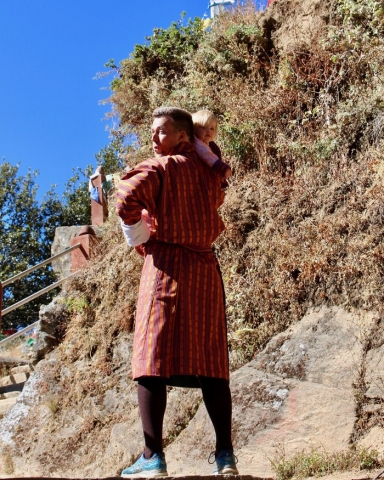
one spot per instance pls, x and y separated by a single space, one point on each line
225 463
155 466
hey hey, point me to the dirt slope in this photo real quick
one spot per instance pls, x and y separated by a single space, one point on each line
293 24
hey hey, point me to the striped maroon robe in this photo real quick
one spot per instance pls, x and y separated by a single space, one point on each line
180 321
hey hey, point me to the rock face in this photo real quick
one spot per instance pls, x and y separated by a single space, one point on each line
49 331
296 395
62 241
375 373
293 24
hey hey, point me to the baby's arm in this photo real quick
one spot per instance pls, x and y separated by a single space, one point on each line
208 157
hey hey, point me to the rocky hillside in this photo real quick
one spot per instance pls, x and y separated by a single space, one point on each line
299 93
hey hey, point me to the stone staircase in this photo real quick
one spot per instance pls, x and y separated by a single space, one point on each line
12 384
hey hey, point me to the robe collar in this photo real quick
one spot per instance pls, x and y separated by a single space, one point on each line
182 148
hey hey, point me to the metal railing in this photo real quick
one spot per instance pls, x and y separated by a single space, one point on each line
18 334
39 265
34 295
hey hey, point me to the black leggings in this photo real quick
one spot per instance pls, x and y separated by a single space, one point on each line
152 396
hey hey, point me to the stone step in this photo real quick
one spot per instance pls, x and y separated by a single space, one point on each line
9 395
9 361
6 404
21 369
13 383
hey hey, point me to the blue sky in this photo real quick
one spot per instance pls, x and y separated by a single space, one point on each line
50 53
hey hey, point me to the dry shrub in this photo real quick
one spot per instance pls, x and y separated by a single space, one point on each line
108 290
75 381
302 130
302 241
101 303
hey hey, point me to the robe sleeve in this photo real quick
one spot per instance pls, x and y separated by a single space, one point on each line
220 167
139 189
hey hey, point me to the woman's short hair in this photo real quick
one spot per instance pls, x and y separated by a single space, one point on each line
182 119
202 118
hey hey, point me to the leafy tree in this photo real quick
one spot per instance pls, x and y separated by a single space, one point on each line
168 49
111 157
21 231
145 79
27 229
76 207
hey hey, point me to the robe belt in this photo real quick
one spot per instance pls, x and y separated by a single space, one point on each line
192 249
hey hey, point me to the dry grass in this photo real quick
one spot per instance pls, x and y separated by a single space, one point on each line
6 458
317 463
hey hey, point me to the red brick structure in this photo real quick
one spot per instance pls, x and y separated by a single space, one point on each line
87 239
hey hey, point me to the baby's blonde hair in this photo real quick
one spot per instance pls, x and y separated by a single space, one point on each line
202 118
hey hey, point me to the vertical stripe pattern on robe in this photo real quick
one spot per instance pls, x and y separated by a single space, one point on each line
180 321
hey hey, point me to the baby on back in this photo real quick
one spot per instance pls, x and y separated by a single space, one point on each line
205 129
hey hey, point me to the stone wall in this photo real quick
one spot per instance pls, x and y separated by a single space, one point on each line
62 241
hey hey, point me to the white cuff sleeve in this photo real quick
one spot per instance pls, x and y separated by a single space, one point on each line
136 234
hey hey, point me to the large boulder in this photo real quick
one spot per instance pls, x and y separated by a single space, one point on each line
49 332
297 394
